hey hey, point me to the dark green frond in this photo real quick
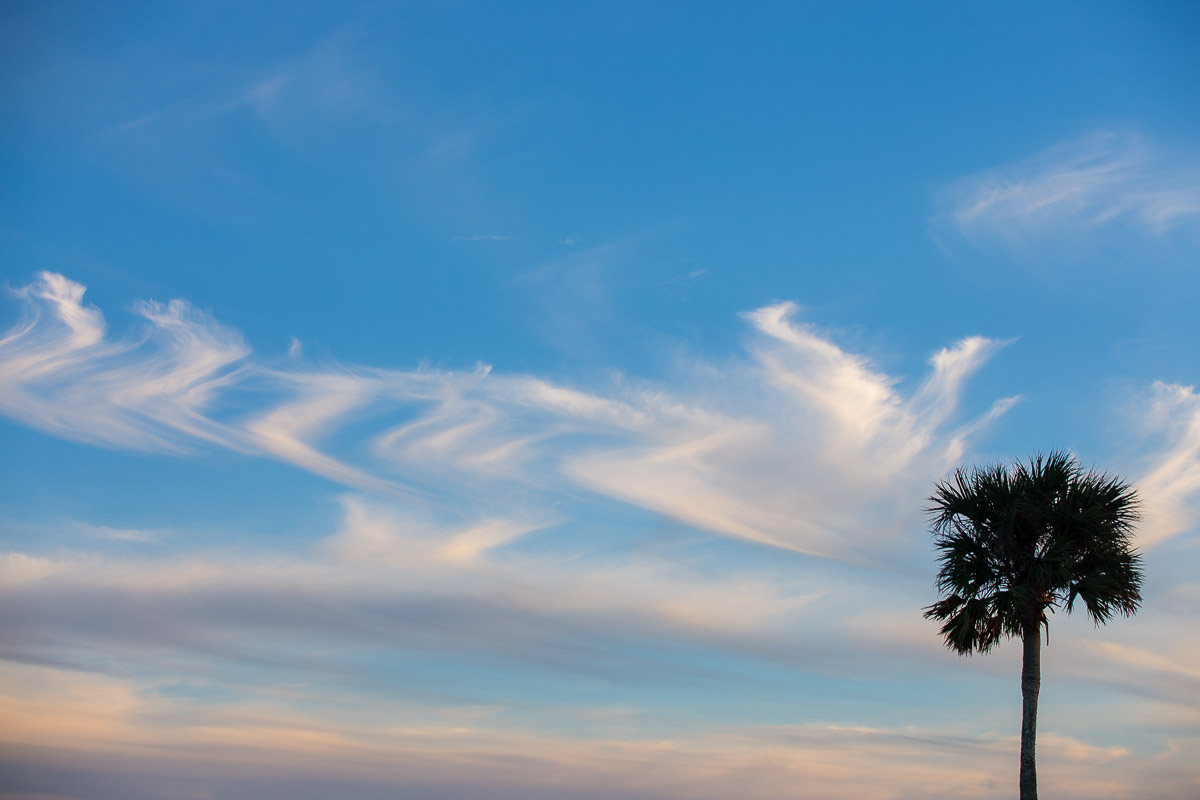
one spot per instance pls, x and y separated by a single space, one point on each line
1015 541
970 626
1108 583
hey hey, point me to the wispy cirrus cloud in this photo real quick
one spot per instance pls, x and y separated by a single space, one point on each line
324 84
819 428
679 285
60 372
797 445
138 535
1080 188
1171 483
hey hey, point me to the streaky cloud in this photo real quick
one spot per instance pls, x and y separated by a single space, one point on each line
1170 486
262 748
61 374
1099 181
799 445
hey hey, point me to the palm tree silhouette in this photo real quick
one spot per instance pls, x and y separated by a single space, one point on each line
1018 540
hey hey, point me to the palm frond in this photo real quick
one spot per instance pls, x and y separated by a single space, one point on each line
1016 541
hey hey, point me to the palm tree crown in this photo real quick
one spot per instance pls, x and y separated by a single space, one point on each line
1018 540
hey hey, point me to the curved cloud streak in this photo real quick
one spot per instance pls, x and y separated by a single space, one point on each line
59 372
1077 187
800 444
1171 486
777 448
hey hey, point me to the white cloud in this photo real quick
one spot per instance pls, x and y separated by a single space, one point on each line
1098 181
17 569
317 403
805 455
1170 487
802 445
373 534
123 534
60 373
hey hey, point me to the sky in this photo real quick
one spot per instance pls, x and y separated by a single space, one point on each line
540 400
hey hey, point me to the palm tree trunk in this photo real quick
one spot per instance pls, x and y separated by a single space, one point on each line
1031 684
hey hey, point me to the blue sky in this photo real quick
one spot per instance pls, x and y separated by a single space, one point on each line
540 399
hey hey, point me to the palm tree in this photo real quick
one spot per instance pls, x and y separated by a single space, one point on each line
1016 541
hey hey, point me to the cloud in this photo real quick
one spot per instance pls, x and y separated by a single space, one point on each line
83 731
380 581
800 445
60 373
798 460
406 580
491 237
322 85
575 295
315 404
216 146
774 462
370 533
302 661
678 285
1170 486
124 534
1101 181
